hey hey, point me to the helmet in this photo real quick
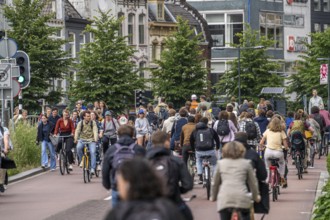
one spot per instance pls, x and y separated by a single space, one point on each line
193 97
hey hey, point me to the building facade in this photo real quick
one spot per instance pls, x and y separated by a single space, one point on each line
320 15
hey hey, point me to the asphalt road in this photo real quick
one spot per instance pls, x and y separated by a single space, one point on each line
52 196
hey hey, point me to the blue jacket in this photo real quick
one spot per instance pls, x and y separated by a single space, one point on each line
263 123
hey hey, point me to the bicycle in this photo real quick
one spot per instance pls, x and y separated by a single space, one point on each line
63 157
191 163
313 147
206 175
99 156
324 148
86 162
298 158
274 178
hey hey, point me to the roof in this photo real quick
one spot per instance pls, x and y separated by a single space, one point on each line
69 9
272 90
152 15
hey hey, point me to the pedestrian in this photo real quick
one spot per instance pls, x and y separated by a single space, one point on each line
186 132
110 127
142 128
202 142
176 130
315 100
232 180
4 150
172 170
104 108
168 123
54 117
142 194
113 156
203 102
43 133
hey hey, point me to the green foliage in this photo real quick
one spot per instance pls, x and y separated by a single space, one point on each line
308 76
181 72
32 34
256 69
25 153
105 71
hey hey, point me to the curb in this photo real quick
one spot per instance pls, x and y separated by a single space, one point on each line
324 176
26 174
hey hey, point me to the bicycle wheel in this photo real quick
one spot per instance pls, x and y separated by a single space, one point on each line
208 182
62 162
321 149
278 182
312 156
274 192
297 161
190 165
326 149
85 169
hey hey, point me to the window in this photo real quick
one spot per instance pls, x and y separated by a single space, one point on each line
91 37
54 8
224 27
82 40
141 68
294 20
130 28
326 26
72 44
160 11
59 85
218 66
317 27
141 29
271 26
154 51
120 31
317 5
326 5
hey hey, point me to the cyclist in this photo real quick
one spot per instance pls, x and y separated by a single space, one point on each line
251 128
202 140
87 131
65 127
125 133
174 173
168 123
276 141
75 119
110 127
194 103
186 132
176 130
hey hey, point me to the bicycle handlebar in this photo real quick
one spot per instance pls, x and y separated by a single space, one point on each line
65 136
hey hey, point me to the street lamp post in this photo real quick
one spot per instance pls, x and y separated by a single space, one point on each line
328 59
239 48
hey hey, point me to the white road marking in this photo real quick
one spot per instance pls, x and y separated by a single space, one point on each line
312 190
305 213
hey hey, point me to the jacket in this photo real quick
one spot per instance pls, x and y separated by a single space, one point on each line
257 163
180 172
87 132
40 134
229 137
157 109
201 126
262 122
168 124
108 174
53 121
177 127
186 132
326 116
140 210
231 180
61 128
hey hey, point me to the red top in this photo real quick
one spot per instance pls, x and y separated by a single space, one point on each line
60 127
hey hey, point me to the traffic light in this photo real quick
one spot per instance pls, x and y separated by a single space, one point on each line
23 62
139 96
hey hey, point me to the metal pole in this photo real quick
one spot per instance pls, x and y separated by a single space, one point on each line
239 75
20 102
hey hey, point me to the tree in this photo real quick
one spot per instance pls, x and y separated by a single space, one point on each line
256 69
308 76
181 72
33 35
105 71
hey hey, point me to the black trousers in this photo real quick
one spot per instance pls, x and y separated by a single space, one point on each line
185 153
225 214
185 211
106 141
69 145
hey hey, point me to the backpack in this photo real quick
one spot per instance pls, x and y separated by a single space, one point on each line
163 113
204 138
223 127
318 119
251 130
167 172
82 125
122 154
297 141
152 119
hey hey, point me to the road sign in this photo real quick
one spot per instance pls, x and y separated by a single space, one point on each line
324 70
16 87
8 48
5 76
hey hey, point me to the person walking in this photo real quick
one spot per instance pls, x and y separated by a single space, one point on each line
43 133
315 100
233 179
142 128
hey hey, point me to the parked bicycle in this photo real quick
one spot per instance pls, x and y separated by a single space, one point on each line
207 175
274 178
63 157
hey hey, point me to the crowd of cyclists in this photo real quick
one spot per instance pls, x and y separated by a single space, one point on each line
239 141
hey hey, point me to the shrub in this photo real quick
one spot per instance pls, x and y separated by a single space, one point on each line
25 153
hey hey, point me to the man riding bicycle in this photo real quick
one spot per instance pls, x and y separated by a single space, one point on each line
87 133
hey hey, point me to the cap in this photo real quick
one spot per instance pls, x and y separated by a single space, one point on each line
193 97
90 105
141 111
108 113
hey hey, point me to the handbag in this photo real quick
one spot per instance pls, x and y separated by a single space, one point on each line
308 134
54 140
263 205
7 163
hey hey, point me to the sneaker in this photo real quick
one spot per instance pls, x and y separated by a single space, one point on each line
92 171
98 168
81 164
2 188
52 170
70 167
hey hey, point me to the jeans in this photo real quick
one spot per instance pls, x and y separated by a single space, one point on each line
44 155
115 198
213 160
92 150
225 214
